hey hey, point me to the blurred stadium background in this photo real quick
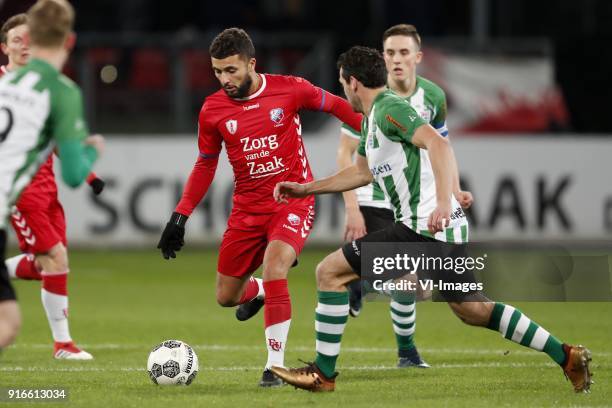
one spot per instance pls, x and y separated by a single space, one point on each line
527 83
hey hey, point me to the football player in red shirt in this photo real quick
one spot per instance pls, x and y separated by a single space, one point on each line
39 222
256 116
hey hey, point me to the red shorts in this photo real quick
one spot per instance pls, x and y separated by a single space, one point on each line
39 229
248 234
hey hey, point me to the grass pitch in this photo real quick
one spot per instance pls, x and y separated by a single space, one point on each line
124 303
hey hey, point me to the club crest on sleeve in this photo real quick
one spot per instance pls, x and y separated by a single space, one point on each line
425 114
232 126
293 219
277 115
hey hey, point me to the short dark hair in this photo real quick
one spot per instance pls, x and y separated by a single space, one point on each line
232 41
407 30
16 20
367 65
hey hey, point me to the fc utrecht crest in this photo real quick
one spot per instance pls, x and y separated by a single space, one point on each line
232 126
277 115
293 219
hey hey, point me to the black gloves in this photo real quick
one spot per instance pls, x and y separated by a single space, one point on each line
172 237
97 185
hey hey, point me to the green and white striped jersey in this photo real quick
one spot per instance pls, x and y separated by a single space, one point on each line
429 100
402 170
38 107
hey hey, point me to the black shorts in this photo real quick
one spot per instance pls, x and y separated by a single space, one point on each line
6 289
400 233
376 218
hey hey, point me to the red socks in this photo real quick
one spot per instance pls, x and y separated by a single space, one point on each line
251 291
277 316
57 284
277 302
26 269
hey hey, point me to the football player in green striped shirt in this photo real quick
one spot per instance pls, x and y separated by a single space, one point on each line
39 109
392 151
366 208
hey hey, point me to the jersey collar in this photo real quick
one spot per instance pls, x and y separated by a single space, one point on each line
258 92
42 64
417 84
382 95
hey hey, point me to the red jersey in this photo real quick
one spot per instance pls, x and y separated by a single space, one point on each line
262 136
42 189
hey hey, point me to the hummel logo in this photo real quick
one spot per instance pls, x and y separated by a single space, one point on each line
249 107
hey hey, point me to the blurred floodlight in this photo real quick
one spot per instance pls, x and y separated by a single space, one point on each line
108 74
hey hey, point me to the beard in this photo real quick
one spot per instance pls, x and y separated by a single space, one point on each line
242 90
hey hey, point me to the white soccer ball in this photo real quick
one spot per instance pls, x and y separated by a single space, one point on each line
172 362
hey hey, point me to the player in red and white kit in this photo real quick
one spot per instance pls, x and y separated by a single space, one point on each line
39 222
256 117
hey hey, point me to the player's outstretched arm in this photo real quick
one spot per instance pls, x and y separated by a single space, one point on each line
95 182
355 226
440 154
172 239
464 198
317 99
77 150
77 158
341 109
349 178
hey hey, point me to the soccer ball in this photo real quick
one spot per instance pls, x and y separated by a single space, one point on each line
172 362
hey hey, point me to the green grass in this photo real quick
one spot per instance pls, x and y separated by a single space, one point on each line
123 303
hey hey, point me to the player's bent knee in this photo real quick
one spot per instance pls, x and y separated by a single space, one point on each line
226 300
322 272
327 276
55 261
229 289
59 254
274 272
331 274
278 258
